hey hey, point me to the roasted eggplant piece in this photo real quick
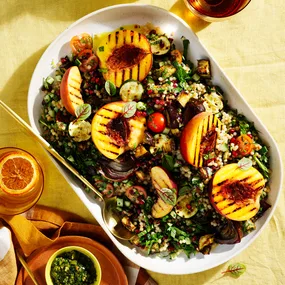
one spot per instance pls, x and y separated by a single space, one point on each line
173 116
193 107
204 68
229 233
118 169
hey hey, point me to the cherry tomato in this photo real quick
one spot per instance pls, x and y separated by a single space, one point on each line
136 194
84 54
156 122
89 61
81 42
245 145
89 64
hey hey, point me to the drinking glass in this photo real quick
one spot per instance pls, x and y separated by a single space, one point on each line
13 202
215 10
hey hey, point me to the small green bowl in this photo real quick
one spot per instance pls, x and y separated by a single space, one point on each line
67 249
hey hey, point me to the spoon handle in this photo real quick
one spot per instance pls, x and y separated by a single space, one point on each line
49 148
25 265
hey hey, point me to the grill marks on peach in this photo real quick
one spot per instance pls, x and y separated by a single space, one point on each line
228 206
207 124
127 55
70 89
110 143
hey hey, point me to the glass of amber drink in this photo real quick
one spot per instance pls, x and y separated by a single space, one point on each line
21 181
215 10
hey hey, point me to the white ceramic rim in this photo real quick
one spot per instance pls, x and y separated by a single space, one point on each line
161 265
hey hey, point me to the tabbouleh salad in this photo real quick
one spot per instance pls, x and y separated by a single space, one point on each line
140 121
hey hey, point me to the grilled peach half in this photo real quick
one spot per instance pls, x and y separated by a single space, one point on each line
70 89
124 55
235 193
113 134
160 179
198 137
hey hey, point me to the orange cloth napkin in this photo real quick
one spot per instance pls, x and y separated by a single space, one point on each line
41 226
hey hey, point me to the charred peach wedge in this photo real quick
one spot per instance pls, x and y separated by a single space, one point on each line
235 193
70 90
113 134
124 55
161 180
199 138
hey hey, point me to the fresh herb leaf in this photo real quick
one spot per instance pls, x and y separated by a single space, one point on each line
168 162
181 74
264 169
129 109
149 110
244 127
110 88
168 195
103 70
186 43
245 163
101 48
236 269
148 204
82 112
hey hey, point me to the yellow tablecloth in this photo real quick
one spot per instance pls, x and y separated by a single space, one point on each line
250 47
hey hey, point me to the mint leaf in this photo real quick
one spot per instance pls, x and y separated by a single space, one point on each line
129 109
245 163
82 112
168 162
236 269
110 88
168 195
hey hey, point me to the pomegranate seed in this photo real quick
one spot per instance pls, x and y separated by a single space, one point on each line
234 153
149 92
231 131
233 140
250 135
188 206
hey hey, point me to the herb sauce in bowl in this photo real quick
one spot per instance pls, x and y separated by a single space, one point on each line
73 265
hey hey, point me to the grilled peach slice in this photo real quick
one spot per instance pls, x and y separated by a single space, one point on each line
70 90
235 193
160 179
160 209
123 55
113 134
199 137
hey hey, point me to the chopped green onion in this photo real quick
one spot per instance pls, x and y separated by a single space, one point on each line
142 233
77 62
120 202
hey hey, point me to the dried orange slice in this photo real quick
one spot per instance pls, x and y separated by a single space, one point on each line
19 172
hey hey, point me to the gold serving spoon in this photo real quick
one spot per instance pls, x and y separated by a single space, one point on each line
111 217
25 265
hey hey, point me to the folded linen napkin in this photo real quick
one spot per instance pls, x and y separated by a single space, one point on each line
41 226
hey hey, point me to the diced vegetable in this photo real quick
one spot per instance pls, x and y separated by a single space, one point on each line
162 143
204 68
